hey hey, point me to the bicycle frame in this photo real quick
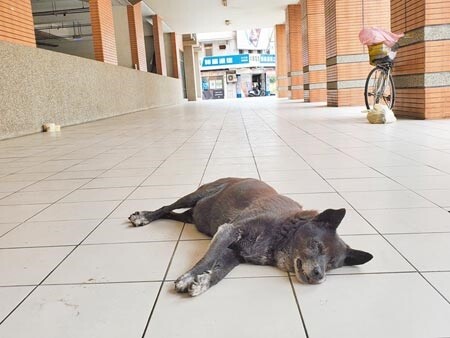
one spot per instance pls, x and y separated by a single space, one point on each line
382 80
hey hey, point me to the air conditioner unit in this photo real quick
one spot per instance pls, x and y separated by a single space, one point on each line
231 78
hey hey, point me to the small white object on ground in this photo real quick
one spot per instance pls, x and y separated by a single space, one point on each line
380 114
51 127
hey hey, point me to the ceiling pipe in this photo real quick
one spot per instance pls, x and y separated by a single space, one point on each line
62 11
78 36
61 26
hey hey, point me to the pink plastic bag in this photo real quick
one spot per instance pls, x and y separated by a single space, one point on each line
371 36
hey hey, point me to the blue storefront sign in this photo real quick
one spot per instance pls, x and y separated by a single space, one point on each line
214 61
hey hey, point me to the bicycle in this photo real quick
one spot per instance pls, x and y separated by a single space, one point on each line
379 87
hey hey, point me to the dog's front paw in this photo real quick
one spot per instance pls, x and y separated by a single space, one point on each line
138 219
183 283
201 284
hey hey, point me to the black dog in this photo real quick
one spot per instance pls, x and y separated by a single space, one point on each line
250 222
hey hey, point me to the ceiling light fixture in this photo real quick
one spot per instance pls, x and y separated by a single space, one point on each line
227 22
225 3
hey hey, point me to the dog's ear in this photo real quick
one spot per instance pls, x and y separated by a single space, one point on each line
331 217
356 257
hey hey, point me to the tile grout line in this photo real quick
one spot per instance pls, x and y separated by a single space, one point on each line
411 272
250 144
214 146
397 250
162 284
64 196
59 264
298 305
206 239
104 170
55 159
354 158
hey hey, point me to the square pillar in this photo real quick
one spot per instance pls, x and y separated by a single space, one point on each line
16 22
136 29
103 31
422 67
189 44
175 55
347 59
281 66
158 40
314 55
294 51
198 83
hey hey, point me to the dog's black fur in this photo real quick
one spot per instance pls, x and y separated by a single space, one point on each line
250 222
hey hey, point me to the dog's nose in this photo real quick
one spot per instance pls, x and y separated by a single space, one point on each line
316 273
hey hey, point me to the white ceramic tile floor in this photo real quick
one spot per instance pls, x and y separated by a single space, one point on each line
119 230
105 263
412 220
52 233
5 227
427 252
103 194
439 197
365 184
10 297
34 197
19 213
28 266
76 190
74 311
441 281
384 305
263 300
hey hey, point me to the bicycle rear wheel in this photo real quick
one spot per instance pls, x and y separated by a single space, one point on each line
379 88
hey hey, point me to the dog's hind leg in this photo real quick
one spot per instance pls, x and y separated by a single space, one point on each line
140 218
185 217
207 271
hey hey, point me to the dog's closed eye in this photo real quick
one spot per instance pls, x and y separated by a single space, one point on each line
315 247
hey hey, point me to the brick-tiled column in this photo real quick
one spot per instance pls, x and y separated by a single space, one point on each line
175 55
137 42
294 47
158 40
346 58
422 68
16 22
281 66
103 31
314 57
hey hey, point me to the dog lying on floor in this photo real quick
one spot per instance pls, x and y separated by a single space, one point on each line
250 222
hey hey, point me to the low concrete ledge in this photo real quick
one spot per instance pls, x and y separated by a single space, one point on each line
39 86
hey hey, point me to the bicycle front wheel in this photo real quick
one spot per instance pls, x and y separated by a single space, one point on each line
379 89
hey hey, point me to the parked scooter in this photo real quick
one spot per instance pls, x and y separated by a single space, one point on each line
256 92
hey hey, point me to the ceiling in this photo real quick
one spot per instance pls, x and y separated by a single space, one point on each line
205 16
69 18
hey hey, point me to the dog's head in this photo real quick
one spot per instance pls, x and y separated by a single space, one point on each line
317 248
